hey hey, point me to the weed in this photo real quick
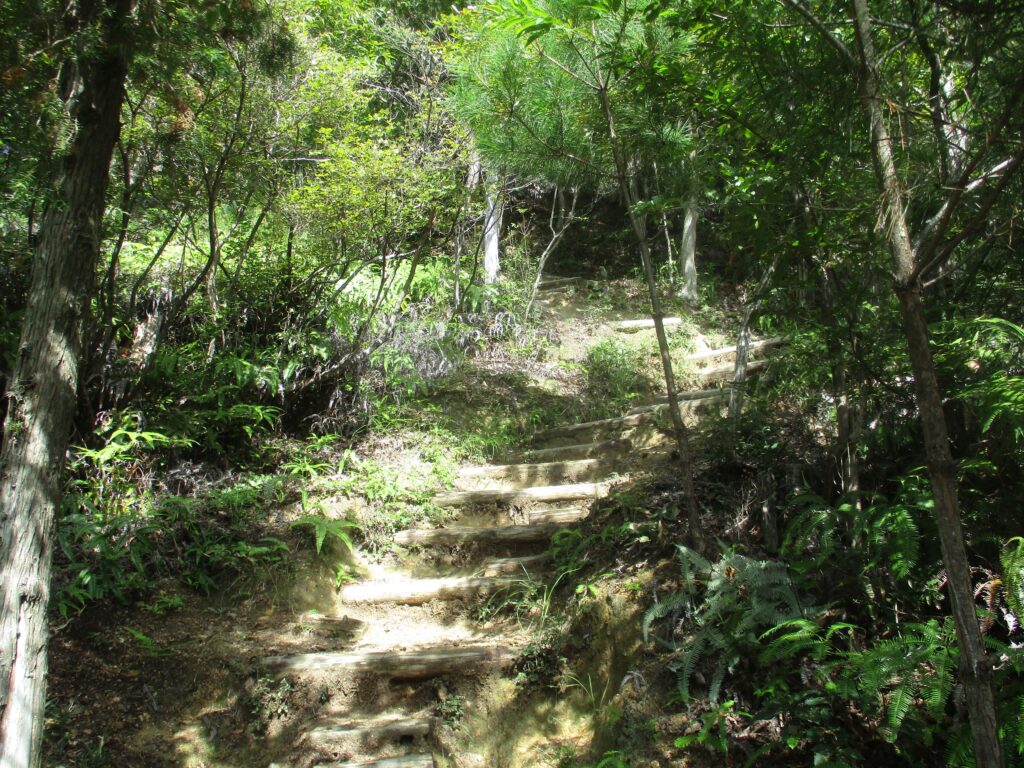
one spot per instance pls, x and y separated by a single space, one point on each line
713 733
451 709
539 666
268 701
148 644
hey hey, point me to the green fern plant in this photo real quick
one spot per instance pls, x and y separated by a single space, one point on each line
895 673
728 604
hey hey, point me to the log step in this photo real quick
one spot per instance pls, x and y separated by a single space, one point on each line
542 493
561 516
381 727
755 346
688 405
408 761
725 372
510 534
617 422
515 566
419 591
606 448
550 472
427 662
631 326
551 283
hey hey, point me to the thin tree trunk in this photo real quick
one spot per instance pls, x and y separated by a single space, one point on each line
492 236
567 219
639 226
975 670
43 391
739 377
688 253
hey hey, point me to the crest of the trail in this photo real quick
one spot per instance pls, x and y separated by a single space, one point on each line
507 515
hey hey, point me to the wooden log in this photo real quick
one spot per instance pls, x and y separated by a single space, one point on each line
545 473
390 726
560 516
725 372
419 591
406 761
551 283
687 406
510 534
581 450
617 422
514 566
764 344
412 665
549 493
631 326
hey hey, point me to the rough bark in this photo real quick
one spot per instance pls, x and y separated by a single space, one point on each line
975 670
42 397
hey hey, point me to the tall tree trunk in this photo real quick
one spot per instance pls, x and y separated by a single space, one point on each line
975 670
43 391
639 226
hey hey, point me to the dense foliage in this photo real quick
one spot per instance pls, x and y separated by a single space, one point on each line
291 255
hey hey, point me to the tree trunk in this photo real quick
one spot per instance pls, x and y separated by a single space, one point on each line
975 670
639 226
43 391
688 253
492 236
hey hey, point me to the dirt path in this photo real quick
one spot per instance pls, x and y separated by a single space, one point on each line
433 657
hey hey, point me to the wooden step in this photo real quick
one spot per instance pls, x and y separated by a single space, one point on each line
549 473
647 323
509 534
379 728
755 346
515 566
687 405
725 372
552 283
559 515
419 591
427 662
601 425
606 448
542 493
424 760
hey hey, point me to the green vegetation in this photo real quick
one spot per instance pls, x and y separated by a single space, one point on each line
249 314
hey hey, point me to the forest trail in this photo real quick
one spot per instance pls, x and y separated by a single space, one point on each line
413 672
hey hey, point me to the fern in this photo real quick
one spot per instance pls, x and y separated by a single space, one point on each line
729 604
325 526
897 671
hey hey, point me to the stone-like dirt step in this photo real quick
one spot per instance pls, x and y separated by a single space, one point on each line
388 726
543 493
407 761
418 591
524 476
406 665
606 448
